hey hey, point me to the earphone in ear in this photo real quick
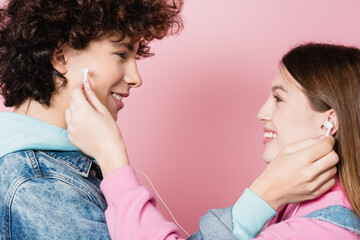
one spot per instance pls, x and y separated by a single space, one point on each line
85 71
328 125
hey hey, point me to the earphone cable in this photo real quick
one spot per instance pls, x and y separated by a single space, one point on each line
295 210
163 202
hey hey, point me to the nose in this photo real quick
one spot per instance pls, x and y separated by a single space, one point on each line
264 114
132 75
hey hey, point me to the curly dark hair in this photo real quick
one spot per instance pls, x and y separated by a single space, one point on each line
31 30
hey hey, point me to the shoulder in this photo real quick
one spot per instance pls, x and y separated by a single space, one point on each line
38 164
57 205
51 190
14 169
335 196
44 208
305 228
27 173
292 222
20 166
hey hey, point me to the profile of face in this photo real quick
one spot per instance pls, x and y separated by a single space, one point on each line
288 116
112 65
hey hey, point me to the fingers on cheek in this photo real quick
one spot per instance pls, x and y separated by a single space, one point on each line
67 116
70 133
334 157
71 121
72 106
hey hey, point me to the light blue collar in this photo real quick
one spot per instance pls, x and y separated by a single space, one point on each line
20 132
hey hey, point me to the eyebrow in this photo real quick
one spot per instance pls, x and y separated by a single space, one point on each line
129 46
280 87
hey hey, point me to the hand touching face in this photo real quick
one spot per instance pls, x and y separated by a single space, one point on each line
113 70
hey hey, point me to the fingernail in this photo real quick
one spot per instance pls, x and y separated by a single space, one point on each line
88 84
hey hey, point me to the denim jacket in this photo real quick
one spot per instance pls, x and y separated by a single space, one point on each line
216 223
48 188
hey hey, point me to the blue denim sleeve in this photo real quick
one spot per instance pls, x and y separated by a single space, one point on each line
196 236
249 215
49 208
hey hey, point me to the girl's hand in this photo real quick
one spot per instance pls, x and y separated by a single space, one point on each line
93 130
301 171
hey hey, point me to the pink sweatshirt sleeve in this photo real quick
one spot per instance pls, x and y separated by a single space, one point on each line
131 212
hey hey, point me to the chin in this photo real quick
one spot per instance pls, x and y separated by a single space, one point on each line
267 160
268 157
114 115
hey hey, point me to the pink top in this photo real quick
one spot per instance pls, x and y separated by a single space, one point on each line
132 214
286 226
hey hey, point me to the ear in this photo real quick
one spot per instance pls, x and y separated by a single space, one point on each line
331 117
58 59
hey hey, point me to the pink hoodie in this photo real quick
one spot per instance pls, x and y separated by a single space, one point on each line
132 214
286 226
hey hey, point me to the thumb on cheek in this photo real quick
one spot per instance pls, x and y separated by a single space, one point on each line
87 84
91 97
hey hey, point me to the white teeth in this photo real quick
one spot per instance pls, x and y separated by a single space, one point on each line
117 96
270 135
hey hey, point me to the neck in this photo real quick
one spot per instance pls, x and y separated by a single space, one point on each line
54 114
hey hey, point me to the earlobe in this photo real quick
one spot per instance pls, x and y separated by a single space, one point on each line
58 60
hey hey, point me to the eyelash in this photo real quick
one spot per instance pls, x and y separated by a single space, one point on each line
277 99
123 55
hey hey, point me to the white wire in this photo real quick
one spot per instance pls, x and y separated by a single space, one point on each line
163 202
295 210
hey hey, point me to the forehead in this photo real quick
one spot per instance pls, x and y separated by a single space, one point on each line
125 42
112 43
284 80
285 85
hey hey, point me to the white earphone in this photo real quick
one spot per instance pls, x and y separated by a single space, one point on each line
85 71
328 125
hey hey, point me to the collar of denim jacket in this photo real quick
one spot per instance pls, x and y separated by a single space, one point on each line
75 160
20 132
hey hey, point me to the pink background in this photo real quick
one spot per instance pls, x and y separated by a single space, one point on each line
192 126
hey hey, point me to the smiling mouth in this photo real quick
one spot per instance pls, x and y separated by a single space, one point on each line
117 96
270 135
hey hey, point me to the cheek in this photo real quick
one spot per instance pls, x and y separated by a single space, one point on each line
103 79
294 127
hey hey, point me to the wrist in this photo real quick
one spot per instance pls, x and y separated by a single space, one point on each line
267 193
113 160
